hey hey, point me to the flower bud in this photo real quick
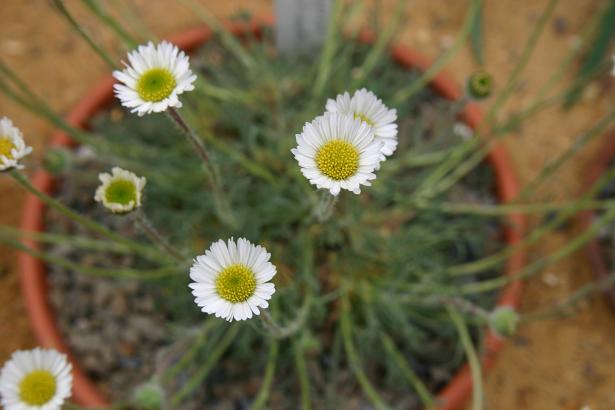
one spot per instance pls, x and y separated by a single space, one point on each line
149 396
504 321
480 85
57 160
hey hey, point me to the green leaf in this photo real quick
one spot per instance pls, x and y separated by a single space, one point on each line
596 58
476 38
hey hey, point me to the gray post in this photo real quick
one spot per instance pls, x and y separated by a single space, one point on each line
301 25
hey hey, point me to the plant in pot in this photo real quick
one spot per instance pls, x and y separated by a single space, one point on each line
242 229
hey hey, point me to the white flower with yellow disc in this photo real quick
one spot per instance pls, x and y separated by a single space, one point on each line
120 191
337 151
36 379
12 145
154 79
231 280
365 106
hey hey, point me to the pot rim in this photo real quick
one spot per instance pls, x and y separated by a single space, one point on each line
33 272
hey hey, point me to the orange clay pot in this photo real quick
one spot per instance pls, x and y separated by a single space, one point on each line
33 272
597 254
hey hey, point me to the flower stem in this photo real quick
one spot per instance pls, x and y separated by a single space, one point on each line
83 220
416 383
302 374
584 291
203 336
79 29
475 366
495 259
152 233
192 136
281 332
211 171
354 360
528 271
202 372
406 93
324 209
265 389
140 274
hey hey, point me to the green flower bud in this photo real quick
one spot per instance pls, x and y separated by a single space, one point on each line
57 160
149 396
480 85
504 321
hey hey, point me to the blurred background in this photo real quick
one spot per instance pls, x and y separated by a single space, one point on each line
557 364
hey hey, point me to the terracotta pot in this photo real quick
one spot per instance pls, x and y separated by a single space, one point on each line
596 252
33 272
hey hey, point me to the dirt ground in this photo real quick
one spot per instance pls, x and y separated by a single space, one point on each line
558 364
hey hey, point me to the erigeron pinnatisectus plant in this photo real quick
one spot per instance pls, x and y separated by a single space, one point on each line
399 264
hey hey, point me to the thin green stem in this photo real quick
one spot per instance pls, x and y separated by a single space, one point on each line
211 171
507 209
75 25
282 332
473 360
84 221
143 274
397 357
469 146
521 62
205 88
200 341
110 22
197 379
325 206
528 271
328 52
128 9
265 389
227 39
249 165
302 374
355 361
499 257
464 168
156 237
39 107
568 61
549 169
77 241
572 300
379 47
407 92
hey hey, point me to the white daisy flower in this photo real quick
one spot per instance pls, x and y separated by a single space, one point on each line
12 145
338 151
154 79
36 379
231 280
365 106
121 191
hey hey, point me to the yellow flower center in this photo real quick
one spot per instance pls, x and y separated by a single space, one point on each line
156 84
6 146
121 191
338 159
236 283
37 388
363 117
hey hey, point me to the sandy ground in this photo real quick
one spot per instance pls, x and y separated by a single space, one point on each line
559 364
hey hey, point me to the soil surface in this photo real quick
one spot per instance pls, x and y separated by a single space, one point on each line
555 364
